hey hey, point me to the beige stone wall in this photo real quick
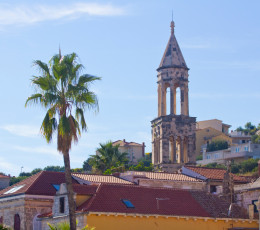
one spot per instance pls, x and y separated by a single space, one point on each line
173 184
245 198
136 151
27 208
215 124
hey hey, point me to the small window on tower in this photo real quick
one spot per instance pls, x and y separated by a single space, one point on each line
62 205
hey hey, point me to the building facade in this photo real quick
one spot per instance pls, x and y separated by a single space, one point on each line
173 135
236 153
135 150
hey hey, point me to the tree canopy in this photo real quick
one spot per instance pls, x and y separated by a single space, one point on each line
65 94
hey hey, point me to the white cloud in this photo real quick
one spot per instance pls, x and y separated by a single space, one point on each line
41 149
22 130
30 14
5 166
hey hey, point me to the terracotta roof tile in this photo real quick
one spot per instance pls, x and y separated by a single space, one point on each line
161 201
38 184
3 176
164 176
125 143
215 174
84 189
100 178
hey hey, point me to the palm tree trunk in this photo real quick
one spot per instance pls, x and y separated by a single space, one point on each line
68 180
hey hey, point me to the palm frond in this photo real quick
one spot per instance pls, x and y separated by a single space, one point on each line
80 116
49 125
43 67
34 99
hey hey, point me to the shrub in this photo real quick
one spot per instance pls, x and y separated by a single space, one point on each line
217 145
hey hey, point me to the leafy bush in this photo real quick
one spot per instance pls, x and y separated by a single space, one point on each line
215 165
66 226
217 145
199 158
2 227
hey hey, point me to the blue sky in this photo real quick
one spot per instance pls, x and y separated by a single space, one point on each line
123 42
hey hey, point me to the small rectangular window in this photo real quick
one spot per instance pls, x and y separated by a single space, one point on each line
128 203
255 206
62 205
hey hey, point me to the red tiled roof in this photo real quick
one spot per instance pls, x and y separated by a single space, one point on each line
38 184
84 189
100 178
125 143
215 174
159 201
163 176
3 176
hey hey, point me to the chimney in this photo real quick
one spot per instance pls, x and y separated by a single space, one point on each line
124 140
143 151
116 174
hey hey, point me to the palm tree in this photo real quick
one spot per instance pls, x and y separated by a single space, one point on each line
107 156
65 94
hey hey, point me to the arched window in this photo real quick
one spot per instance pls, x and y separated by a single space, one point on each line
17 222
1 220
178 101
168 101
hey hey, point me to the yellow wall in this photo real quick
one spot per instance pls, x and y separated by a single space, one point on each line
209 134
104 222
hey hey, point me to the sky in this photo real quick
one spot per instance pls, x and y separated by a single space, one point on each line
123 42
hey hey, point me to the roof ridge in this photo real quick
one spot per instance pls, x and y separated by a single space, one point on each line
93 197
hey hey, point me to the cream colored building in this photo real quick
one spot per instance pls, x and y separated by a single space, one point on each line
214 123
135 150
206 136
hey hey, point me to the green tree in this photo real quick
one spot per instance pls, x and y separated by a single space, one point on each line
35 171
54 168
86 166
217 145
65 94
215 165
27 174
108 156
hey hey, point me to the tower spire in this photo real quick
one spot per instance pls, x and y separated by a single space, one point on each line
172 24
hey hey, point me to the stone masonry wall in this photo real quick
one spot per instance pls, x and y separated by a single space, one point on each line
26 208
174 184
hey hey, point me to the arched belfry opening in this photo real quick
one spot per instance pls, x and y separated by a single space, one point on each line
173 131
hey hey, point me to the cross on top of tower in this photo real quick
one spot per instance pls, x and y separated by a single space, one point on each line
172 27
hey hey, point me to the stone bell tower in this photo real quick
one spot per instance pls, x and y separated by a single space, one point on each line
173 135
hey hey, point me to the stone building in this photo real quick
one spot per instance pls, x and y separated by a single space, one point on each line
173 135
135 150
22 202
164 180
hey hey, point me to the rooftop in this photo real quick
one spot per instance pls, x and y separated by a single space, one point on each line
100 178
125 143
161 176
132 199
38 184
215 174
